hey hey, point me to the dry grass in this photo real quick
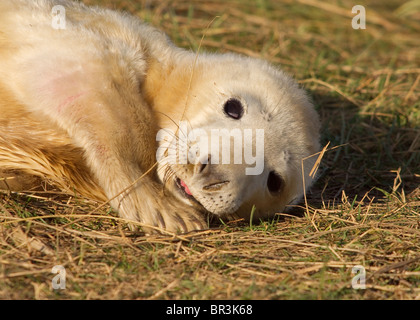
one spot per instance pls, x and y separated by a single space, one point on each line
364 209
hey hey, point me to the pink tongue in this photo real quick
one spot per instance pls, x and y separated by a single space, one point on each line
187 191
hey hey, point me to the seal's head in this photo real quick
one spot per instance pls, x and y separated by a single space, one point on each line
236 132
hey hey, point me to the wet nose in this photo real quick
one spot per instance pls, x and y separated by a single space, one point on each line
203 165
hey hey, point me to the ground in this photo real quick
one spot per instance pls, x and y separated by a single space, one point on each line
363 211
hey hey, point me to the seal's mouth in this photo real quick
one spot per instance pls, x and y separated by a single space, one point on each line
184 190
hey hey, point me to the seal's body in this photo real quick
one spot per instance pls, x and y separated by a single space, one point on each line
84 105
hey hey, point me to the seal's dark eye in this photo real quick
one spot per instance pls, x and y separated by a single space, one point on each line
274 182
234 109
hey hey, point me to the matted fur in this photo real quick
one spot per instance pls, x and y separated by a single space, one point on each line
81 107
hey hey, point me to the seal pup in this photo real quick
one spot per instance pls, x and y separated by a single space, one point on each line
99 103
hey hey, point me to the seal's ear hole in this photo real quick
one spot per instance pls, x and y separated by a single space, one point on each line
233 108
274 182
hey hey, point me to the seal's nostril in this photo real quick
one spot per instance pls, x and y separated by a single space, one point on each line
203 167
